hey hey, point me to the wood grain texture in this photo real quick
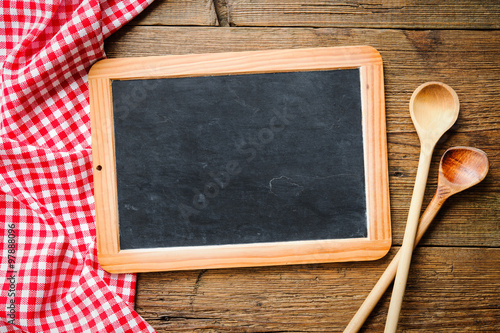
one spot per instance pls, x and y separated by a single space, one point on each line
268 61
373 247
466 60
103 165
450 290
405 14
178 12
222 14
453 288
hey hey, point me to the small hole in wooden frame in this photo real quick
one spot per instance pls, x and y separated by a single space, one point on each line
98 168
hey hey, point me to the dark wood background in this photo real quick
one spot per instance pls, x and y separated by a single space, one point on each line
454 283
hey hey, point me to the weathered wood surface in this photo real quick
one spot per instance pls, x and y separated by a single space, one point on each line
178 12
466 60
404 14
449 290
455 280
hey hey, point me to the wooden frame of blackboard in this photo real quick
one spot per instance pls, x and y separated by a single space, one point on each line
116 260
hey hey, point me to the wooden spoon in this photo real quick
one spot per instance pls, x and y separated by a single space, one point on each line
434 109
460 168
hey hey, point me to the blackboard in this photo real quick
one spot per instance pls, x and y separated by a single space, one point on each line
242 161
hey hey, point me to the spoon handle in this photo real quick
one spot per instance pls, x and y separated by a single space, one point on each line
408 240
390 272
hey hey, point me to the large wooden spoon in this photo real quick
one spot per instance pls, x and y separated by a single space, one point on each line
460 168
434 109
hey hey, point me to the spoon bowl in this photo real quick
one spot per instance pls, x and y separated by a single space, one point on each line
461 168
434 109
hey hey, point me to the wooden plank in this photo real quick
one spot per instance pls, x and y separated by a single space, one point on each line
178 12
466 60
404 14
449 290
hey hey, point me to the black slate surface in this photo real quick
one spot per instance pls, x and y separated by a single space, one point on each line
239 159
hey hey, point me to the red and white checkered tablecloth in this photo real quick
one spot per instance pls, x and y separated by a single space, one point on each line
49 275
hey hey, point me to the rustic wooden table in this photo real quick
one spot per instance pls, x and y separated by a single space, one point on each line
454 283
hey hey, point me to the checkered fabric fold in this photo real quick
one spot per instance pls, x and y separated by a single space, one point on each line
49 274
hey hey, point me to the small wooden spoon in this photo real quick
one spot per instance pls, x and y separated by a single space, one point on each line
460 168
434 109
